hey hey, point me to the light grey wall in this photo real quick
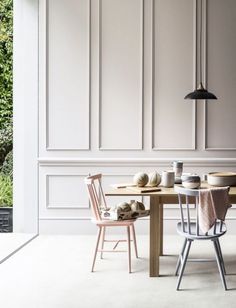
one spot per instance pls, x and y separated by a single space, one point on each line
25 120
112 77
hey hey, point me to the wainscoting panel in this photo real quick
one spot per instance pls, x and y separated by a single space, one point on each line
221 75
174 73
63 200
68 75
120 74
66 192
62 193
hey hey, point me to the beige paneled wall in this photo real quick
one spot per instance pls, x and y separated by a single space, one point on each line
221 75
113 75
173 74
67 74
120 74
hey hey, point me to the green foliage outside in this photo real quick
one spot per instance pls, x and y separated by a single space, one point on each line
6 101
6 136
5 190
7 167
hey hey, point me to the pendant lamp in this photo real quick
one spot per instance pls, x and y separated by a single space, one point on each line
200 92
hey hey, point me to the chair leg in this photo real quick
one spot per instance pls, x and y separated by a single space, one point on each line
129 253
135 242
185 257
103 239
96 249
180 257
221 256
222 276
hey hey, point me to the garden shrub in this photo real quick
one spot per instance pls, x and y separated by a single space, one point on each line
7 167
6 101
6 190
6 77
6 136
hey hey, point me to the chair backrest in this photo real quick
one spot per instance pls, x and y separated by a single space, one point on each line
190 215
96 194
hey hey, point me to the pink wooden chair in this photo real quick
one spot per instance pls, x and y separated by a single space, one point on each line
98 201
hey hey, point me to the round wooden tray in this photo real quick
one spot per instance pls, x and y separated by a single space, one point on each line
224 174
221 178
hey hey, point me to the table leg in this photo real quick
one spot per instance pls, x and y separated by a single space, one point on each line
161 229
154 237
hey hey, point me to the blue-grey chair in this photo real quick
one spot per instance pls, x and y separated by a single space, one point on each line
188 227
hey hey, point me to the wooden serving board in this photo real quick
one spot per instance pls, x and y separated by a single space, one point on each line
122 185
144 189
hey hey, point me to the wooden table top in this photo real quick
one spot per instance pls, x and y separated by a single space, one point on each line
163 192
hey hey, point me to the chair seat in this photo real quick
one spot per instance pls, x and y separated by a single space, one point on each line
193 235
117 223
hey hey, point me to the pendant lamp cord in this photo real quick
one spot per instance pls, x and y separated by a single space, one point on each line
200 44
200 93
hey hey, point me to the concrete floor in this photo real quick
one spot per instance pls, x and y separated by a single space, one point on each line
54 272
11 242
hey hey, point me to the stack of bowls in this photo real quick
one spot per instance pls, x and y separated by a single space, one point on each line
191 181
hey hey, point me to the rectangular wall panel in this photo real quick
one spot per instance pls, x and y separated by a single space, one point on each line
63 193
173 125
121 74
66 192
68 74
221 74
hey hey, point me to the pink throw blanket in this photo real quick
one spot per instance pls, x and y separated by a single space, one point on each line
213 204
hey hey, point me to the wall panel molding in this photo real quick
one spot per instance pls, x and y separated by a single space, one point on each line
135 162
192 147
218 5
62 206
86 145
139 123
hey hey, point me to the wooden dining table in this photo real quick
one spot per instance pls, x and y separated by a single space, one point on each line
157 201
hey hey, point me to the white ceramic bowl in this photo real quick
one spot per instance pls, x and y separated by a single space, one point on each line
221 178
191 185
191 181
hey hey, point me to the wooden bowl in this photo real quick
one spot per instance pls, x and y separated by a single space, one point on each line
221 178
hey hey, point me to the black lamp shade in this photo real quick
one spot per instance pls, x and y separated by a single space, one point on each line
200 93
